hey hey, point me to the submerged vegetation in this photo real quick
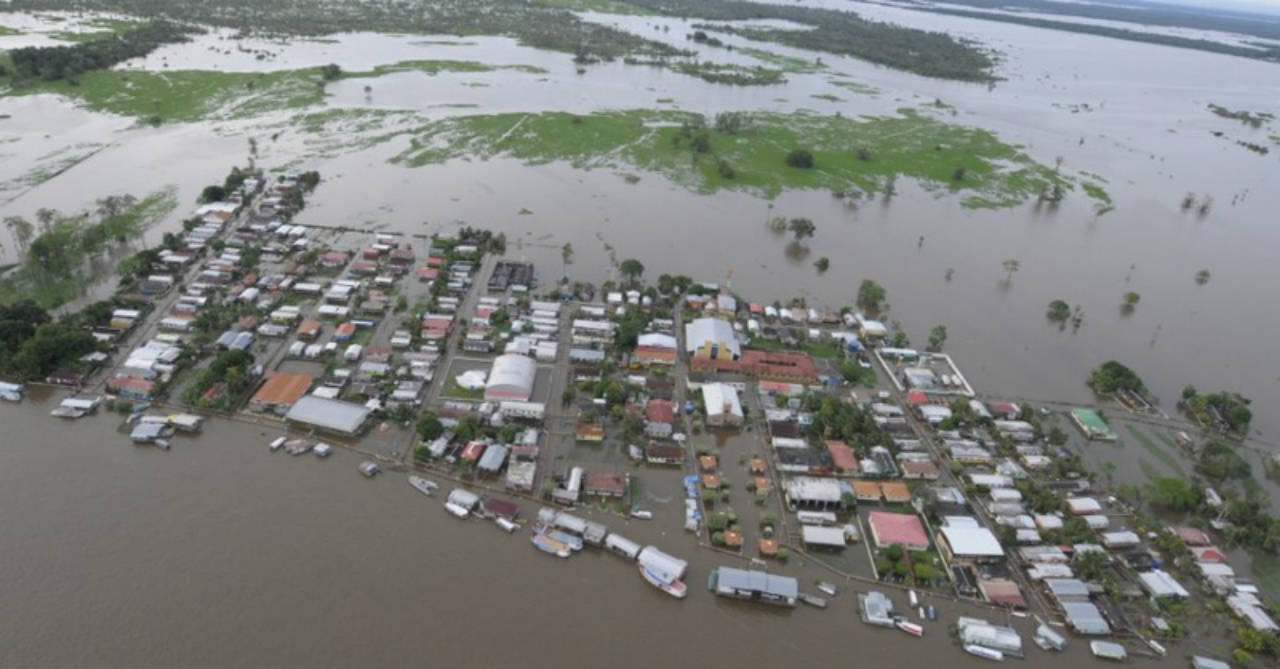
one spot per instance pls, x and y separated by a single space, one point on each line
932 54
52 63
57 250
533 24
755 152
191 95
1223 410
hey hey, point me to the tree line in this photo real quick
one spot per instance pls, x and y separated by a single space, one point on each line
52 63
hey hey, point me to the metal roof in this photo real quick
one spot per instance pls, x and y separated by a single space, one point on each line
1085 618
328 414
731 581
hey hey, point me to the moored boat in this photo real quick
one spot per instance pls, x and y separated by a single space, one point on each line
548 545
910 628
322 450
812 600
913 598
456 509
422 485
984 652
674 587
369 468
505 524
828 588
276 444
574 543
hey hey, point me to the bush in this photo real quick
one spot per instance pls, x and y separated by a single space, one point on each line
784 553
800 158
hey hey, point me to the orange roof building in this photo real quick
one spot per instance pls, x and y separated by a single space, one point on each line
866 491
280 391
895 492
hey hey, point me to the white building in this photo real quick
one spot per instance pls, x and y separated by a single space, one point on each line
723 407
511 378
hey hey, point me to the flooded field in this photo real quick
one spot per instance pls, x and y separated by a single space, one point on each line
219 541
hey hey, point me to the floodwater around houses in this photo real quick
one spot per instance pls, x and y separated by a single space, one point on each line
221 553
231 556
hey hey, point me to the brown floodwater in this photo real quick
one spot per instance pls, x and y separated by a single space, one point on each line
219 553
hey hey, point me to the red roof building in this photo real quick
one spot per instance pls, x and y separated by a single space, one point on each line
1192 536
473 450
902 529
842 457
773 365
1209 554
651 355
659 411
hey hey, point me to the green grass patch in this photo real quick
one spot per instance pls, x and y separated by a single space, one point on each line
727 73
452 389
192 95
441 42
1159 453
1266 569
763 344
6 31
824 349
827 96
603 6
910 145
786 63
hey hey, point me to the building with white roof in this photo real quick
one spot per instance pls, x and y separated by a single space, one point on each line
723 407
511 378
711 338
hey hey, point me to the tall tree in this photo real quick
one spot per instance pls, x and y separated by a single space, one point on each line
1010 266
802 227
22 232
631 268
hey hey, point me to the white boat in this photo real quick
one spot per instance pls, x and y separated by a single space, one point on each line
1157 647
276 444
675 588
812 600
1108 650
369 468
422 485
642 514
828 588
456 509
921 612
911 597
10 395
505 524
322 450
910 628
984 652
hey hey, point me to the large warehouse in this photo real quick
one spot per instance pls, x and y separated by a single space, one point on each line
511 378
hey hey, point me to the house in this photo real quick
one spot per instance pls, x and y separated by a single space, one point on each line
711 338
816 493
659 416
605 484
842 458
656 453
970 543
328 415
723 407
591 432
920 469
895 492
901 529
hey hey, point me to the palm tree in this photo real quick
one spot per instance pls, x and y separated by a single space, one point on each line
566 256
1010 266
631 268
46 217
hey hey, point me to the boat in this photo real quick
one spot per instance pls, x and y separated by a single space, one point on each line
505 524
1048 639
298 446
456 509
674 587
548 545
642 514
422 485
574 543
1157 647
323 450
828 588
276 444
812 600
369 468
1108 650
162 444
913 598
910 628
983 652
933 613
921 612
